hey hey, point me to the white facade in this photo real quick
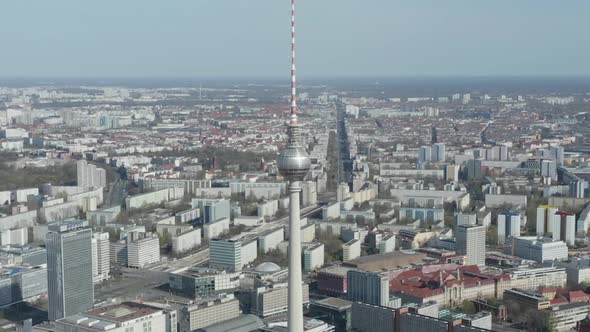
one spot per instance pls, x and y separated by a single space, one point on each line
545 215
248 221
564 228
351 250
143 252
313 257
148 319
89 175
186 241
538 249
15 237
471 243
268 209
533 278
387 244
249 252
271 239
215 228
100 256
508 225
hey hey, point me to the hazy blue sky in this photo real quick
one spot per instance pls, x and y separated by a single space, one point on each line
210 38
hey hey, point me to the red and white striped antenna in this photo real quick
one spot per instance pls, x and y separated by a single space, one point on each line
293 70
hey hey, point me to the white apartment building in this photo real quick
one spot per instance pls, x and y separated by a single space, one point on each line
351 250
538 249
313 257
143 252
101 265
271 239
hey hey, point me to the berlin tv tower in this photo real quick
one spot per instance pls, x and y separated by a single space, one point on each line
293 164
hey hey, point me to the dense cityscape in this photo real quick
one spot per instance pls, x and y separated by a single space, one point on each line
277 205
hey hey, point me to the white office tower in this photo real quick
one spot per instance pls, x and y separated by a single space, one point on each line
69 269
294 163
424 154
545 214
508 225
438 152
89 175
225 255
470 241
564 227
100 256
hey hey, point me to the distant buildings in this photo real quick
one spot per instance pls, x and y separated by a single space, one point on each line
89 175
471 243
69 269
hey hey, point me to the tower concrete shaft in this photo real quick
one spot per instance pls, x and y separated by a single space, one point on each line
295 294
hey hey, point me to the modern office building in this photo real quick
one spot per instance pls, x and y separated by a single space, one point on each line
69 269
225 255
368 287
21 283
538 249
509 223
334 311
212 209
101 265
564 227
372 318
470 241
203 282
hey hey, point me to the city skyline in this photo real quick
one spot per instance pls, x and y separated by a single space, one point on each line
390 39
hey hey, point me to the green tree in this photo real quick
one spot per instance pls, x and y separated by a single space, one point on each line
468 307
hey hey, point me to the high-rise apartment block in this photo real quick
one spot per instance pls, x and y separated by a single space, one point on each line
101 265
564 227
69 269
89 175
471 241
545 214
508 225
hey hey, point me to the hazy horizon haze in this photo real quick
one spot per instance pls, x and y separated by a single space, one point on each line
223 38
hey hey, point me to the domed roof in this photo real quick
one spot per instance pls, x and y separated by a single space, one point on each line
267 267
